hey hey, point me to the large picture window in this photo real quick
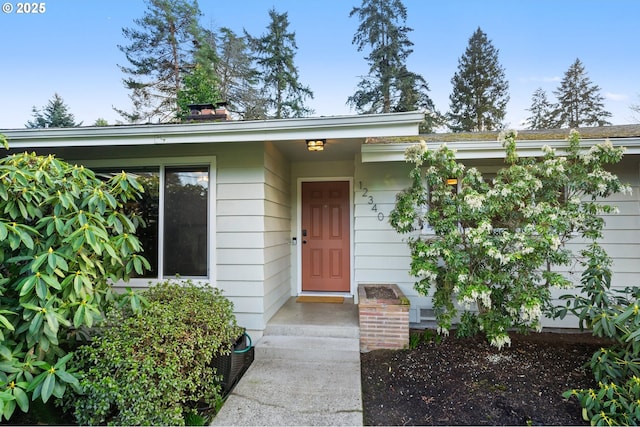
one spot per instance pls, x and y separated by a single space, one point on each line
176 207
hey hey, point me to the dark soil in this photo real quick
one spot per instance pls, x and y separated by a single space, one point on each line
465 381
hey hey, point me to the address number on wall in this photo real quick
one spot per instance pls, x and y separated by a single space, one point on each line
371 201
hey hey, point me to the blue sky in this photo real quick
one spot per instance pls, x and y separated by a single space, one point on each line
72 49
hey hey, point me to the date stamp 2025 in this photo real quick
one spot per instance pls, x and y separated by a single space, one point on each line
34 8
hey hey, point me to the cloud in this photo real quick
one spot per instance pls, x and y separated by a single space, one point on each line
616 96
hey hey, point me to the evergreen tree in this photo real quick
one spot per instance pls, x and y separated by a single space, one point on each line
161 49
53 115
542 111
101 122
199 80
389 85
579 100
480 89
238 78
636 112
274 53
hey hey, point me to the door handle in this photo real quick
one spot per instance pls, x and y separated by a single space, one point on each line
304 242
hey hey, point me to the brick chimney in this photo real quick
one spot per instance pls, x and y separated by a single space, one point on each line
208 112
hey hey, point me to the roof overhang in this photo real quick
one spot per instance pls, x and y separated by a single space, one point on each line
486 145
336 127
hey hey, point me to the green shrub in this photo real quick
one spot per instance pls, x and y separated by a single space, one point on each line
155 367
64 235
616 368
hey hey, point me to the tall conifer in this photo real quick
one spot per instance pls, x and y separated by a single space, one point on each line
480 88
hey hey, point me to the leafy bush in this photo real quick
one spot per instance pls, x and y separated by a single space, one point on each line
63 236
155 367
614 314
490 246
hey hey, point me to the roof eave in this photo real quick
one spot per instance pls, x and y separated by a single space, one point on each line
465 150
362 126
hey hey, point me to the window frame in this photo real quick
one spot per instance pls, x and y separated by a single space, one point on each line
161 163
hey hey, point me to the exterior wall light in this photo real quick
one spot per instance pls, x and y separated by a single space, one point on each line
315 144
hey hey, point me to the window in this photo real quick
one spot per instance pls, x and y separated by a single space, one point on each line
177 207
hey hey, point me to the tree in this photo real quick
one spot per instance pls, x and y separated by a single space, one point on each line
480 89
199 81
238 78
63 240
579 100
389 85
53 115
491 247
161 49
542 111
636 110
274 53
100 122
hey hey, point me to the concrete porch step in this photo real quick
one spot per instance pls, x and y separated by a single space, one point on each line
330 331
307 348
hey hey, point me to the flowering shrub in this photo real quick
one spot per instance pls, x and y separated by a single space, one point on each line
491 247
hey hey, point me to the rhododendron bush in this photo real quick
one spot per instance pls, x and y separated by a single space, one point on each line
491 248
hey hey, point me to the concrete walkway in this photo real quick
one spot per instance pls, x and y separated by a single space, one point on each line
306 371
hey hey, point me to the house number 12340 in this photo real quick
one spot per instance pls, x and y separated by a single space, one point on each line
371 201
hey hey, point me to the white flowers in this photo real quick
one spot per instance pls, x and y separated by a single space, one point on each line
415 153
500 341
530 313
474 201
483 296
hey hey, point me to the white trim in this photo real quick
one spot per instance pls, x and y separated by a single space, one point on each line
162 163
332 127
352 288
394 152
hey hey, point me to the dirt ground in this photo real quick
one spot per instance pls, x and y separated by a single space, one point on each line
467 382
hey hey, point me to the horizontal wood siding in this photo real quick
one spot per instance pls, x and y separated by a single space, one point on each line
277 226
381 254
240 230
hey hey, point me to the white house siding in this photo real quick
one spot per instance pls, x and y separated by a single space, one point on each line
240 229
382 255
277 226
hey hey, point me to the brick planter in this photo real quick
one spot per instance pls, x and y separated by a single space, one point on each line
383 311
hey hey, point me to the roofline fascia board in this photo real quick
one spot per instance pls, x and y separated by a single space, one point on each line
466 150
362 126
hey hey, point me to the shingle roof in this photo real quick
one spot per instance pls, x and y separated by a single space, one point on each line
618 131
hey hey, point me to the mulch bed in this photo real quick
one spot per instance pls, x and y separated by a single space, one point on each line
465 381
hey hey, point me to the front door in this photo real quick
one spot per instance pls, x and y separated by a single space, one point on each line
325 236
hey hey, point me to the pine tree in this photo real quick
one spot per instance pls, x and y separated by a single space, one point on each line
238 78
274 53
161 49
579 100
389 85
542 111
53 115
199 80
480 89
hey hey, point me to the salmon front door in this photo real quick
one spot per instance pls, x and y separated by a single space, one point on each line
325 236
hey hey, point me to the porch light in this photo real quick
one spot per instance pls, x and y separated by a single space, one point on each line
315 144
452 181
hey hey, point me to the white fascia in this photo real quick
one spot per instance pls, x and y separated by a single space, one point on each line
352 126
394 152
